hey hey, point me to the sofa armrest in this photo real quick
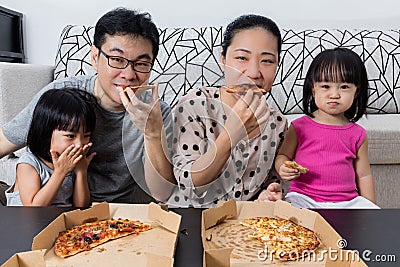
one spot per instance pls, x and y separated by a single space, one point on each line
18 84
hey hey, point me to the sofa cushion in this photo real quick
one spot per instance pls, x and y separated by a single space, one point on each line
18 84
73 53
380 51
383 136
189 57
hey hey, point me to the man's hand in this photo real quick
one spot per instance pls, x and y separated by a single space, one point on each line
6 147
272 193
145 116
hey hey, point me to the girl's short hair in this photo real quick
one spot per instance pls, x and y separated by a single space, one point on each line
337 65
59 109
250 21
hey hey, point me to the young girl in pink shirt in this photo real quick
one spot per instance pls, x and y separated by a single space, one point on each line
327 141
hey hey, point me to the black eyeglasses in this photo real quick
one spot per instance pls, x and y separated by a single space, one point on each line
122 63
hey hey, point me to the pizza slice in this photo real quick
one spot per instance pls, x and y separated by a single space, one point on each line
137 87
294 165
243 88
89 235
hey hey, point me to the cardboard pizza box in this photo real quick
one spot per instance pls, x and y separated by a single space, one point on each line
226 243
155 247
26 259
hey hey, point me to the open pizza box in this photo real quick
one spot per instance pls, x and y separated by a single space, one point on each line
227 243
26 259
155 247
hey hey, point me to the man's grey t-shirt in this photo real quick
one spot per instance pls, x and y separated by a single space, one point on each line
108 174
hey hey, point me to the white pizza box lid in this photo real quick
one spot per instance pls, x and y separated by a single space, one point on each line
155 247
217 255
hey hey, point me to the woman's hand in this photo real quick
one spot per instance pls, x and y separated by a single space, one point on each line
249 112
272 193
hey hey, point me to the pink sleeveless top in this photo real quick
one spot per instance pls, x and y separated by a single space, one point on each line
328 152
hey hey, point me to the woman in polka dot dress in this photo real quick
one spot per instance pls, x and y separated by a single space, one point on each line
225 143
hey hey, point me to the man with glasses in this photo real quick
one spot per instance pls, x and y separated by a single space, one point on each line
134 128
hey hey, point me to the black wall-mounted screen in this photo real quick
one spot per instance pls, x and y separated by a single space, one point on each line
11 36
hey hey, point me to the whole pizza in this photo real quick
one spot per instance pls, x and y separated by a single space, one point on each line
286 239
89 235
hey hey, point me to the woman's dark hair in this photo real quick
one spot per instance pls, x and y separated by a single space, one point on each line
122 21
337 65
59 109
250 21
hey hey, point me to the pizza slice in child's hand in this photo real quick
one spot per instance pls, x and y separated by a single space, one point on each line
294 165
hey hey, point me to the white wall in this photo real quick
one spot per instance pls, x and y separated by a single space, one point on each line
44 19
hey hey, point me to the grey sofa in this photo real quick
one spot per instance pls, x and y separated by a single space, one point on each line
189 58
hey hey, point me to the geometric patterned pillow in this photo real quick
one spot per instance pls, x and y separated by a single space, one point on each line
73 53
189 58
380 51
